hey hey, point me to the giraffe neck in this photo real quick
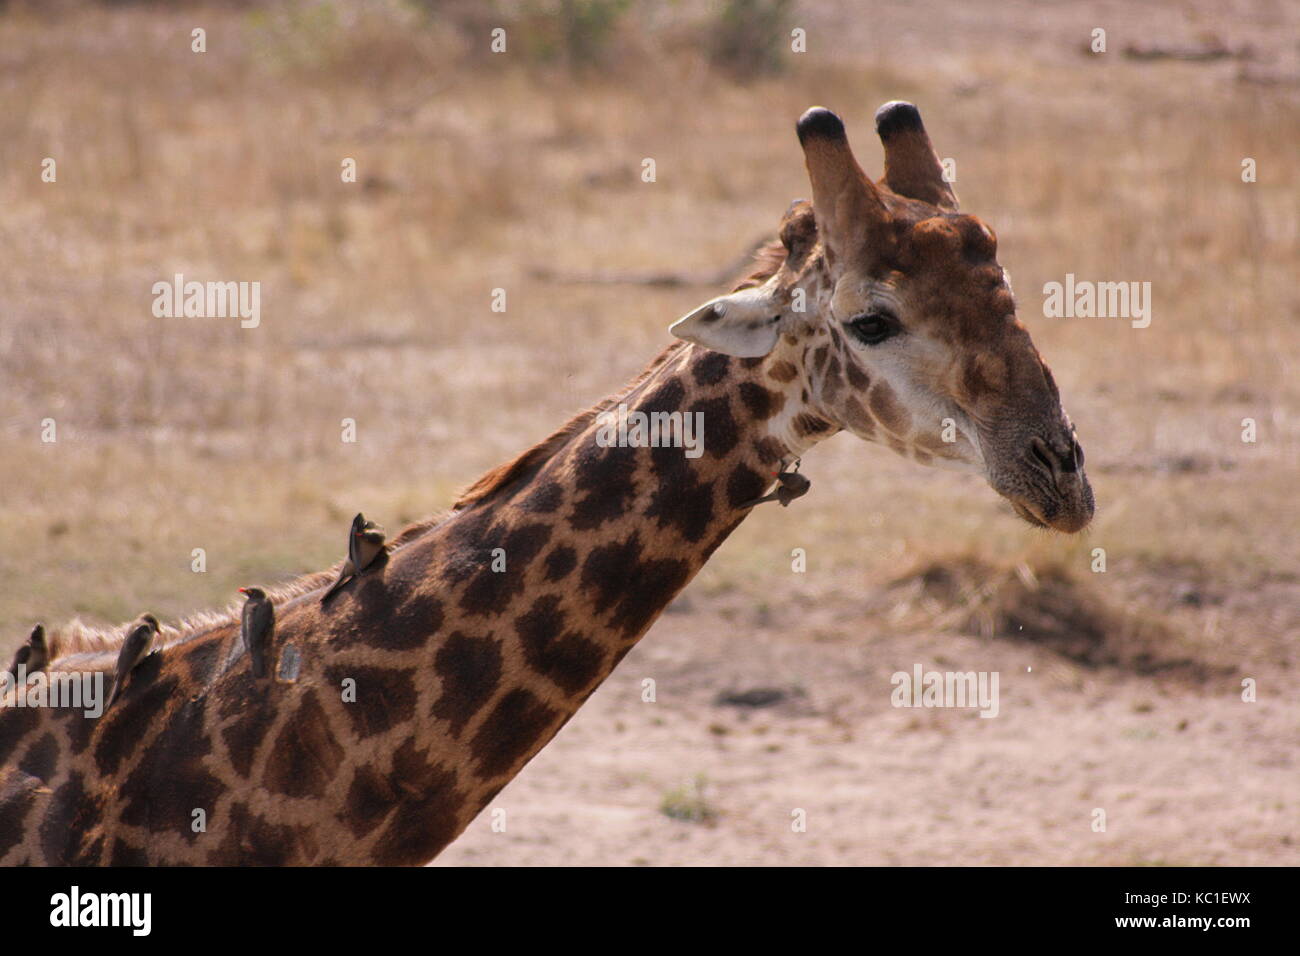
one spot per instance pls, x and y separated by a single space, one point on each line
595 542
428 683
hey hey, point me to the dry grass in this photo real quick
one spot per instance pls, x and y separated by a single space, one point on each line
1053 607
177 434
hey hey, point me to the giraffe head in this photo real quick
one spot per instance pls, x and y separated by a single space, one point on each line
889 317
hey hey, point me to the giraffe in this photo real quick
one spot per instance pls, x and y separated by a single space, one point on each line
880 310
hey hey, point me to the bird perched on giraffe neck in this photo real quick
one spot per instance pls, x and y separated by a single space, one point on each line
365 542
32 656
789 486
135 648
257 627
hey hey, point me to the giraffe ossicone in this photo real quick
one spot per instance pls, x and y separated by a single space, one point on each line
402 706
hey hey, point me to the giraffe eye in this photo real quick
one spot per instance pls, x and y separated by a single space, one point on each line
874 327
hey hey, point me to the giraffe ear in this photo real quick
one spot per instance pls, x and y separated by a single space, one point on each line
744 324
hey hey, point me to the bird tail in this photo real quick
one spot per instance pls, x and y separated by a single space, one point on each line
346 573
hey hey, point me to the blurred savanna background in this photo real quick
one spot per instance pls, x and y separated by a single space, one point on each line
522 170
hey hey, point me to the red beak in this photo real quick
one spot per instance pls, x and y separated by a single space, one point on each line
243 590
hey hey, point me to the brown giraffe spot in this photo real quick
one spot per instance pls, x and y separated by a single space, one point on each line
605 484
610 569
251 840
244 735
408 567
419 616
470 668
712 368
688 508
745 484
305 755
560 563
17 797
752 362
68 819
858 378
463 554
515 727
366 596
782 371
680 500
887 410
858 419
720 431
201 659
491 590
124 854
769 450
820 356
762 404
570 660
120 727
384 697
544 499
426 817
370 798
41 757
15 724
171 778
805 423
77 727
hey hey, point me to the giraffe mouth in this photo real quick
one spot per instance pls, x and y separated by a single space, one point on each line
1025 512
1060 516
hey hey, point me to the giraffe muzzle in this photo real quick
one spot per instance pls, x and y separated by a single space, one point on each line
1052 490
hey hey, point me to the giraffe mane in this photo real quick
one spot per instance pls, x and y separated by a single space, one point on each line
768 259
526 464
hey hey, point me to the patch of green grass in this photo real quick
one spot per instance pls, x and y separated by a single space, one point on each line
689 804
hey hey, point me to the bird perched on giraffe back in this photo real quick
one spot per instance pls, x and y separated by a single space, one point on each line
365 541
136 647
257 627
34 655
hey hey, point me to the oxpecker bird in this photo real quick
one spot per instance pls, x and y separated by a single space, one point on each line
34 655
135 648
257 626
365 541
790 485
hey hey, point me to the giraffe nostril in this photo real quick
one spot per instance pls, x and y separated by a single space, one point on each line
1040 453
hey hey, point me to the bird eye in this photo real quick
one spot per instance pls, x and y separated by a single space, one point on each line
874 327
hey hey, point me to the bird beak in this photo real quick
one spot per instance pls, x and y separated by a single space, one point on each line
243 590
